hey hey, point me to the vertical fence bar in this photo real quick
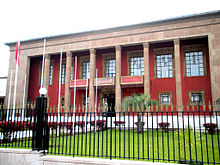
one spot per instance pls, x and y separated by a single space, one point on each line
206 140
213 154
133 134
216 115
124 135
158 147
195 134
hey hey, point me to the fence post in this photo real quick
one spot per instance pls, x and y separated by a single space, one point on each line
40 140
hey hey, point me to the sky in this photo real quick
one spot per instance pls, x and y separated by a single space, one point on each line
27 19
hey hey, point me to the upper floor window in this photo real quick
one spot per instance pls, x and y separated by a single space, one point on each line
194 63
163 63
109 64
85 71
164 66
110 68
136 66
194 60
136 63
51 73
63 73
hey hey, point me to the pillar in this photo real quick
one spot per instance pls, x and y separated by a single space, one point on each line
146 69
118 79
178 73
67 80
92 77
46 71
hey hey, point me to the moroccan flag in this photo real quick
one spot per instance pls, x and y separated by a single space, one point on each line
17 52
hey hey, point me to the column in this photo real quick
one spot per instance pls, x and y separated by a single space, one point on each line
146 69
178 73
214 64
67 80
46 71
91 80
118 79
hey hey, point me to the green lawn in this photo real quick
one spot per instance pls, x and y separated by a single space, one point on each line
152 145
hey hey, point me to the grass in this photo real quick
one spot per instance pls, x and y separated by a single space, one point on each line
128 144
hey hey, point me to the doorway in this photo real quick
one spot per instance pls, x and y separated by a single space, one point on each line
109 102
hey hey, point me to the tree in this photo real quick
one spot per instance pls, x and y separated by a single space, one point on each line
139 104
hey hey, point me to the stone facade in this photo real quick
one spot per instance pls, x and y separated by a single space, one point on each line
175 30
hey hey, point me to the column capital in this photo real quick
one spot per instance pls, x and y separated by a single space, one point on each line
146 44
47 56
92 51
68 53
176 41
118 48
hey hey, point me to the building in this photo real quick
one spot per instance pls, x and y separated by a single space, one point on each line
175 61
3 82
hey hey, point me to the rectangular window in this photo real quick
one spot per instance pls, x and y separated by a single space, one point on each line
196 97
164 66
194 63
165 98
63 73
136 66
110 68
85 65
51 74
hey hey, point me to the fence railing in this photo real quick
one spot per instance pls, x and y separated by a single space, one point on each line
171 136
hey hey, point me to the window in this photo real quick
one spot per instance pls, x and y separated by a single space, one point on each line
63 73
137 66
110 68
51 74
196 97
165 98
164 66
85 65
194 63
109 64
163 63
194 60
136 63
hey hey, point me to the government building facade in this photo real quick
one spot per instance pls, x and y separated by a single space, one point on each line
175 61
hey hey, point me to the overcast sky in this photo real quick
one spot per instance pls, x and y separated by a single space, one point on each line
27 19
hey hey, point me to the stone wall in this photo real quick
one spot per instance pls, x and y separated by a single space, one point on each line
29 157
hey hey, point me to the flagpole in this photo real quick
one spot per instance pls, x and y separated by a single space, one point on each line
96 90
23 106
61 56
42 70
87 90
74 97
9 96
96 75
16 77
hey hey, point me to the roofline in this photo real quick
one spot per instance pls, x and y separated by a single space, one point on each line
126 27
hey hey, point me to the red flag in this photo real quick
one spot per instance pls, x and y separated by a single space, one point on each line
17 52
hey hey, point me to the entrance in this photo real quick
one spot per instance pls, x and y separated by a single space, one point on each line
109 101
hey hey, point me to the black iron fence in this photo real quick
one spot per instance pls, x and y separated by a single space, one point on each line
155 135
